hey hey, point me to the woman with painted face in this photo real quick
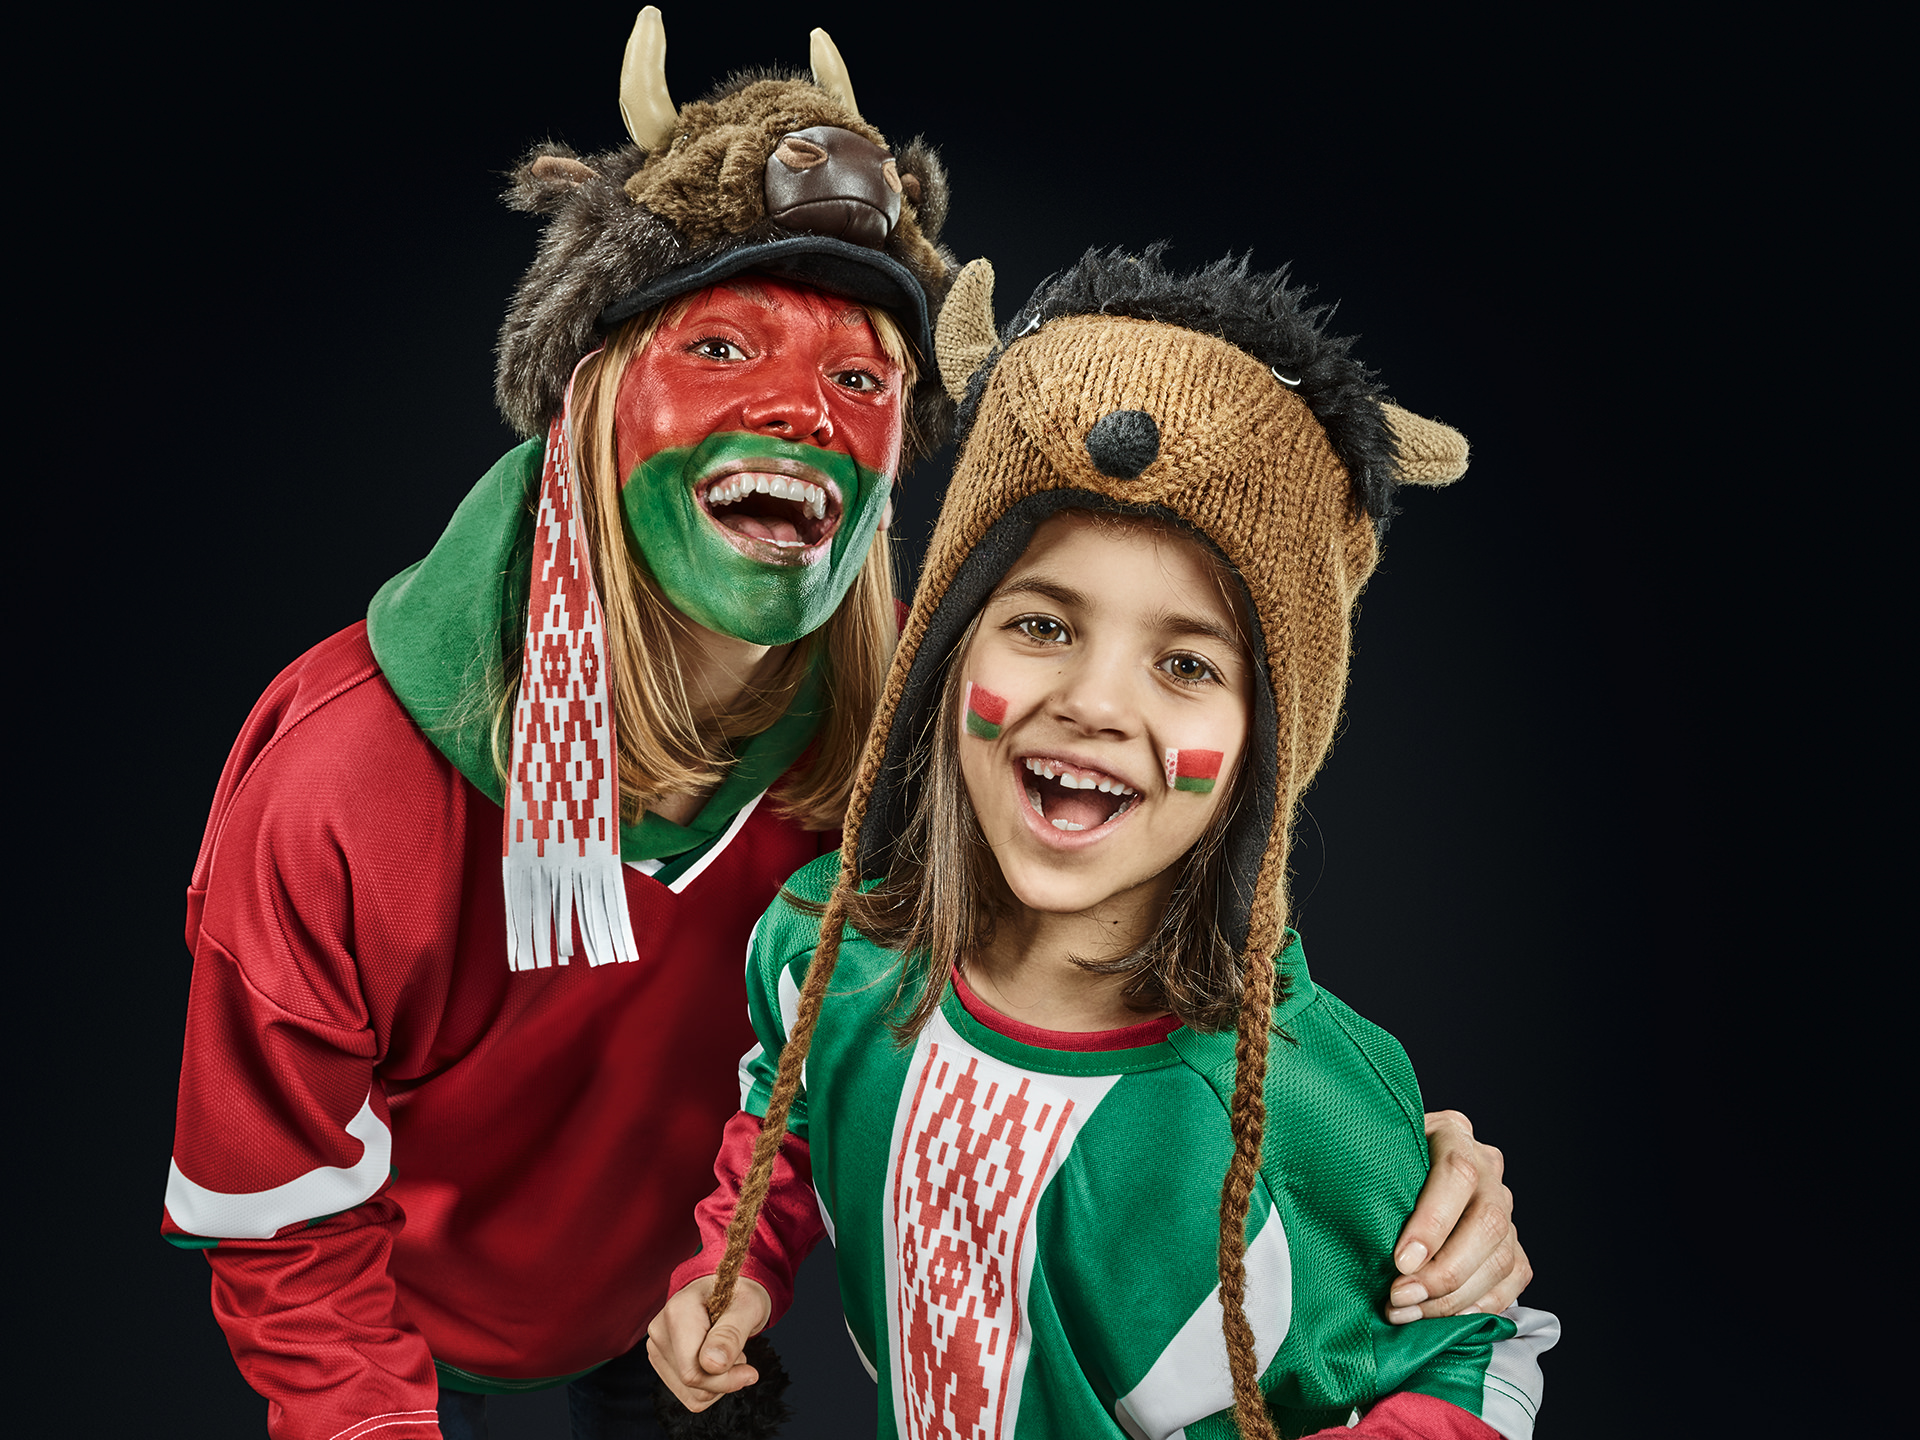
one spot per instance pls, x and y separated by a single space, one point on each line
469 913
1097 1156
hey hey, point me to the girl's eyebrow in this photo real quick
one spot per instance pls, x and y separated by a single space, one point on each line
1047 589
1167 622
1171 623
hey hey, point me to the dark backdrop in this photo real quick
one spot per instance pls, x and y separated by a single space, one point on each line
294 280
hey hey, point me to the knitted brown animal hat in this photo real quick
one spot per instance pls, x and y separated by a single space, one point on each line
1213 401
771 173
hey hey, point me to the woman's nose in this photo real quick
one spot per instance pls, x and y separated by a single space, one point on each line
791 406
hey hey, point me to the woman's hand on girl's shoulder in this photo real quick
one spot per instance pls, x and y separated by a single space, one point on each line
701 1361
1458 1251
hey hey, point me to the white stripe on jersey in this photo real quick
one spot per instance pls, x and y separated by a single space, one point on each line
325 1191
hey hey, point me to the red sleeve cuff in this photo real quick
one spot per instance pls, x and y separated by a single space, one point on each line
789 1224
1408 1415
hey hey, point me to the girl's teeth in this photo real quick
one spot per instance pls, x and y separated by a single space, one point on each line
1074 782
1067 825
1033 799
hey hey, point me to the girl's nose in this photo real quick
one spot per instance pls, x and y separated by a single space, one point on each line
1095 696
791 406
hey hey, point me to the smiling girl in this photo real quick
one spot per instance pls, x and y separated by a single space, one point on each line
1082 1190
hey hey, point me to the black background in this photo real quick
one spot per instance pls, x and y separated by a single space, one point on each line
272 315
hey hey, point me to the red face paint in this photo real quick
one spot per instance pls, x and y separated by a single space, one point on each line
987 712
1193 770
783 361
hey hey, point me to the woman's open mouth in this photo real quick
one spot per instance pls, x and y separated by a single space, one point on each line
1072 797
779 512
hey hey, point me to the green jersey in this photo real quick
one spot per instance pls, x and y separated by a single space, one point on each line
1027 1235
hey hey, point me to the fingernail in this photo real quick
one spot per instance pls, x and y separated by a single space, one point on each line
1411 1258
1412 1293
1401 1317
1468 1310
714 1360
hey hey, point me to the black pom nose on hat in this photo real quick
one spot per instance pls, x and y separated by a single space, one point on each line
1124 443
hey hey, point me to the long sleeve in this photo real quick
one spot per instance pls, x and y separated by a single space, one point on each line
790 1222
283 1138
281 1154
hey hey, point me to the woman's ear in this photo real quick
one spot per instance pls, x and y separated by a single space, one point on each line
965 336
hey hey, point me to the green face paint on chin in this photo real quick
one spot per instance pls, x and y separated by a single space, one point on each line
706 575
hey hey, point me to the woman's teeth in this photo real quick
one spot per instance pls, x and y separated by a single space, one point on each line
737 487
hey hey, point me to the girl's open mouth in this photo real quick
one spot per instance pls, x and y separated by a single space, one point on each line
774 511
1072 797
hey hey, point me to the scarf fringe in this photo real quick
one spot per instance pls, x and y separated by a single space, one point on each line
546 898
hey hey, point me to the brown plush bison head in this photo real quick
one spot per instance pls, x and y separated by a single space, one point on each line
771 172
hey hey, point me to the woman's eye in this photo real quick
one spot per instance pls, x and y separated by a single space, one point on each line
1188 669
1043 628
714 348
864 382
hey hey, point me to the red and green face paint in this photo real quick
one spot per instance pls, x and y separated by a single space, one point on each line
1194 771
987 712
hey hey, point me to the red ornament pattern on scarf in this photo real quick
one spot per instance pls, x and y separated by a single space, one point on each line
561 850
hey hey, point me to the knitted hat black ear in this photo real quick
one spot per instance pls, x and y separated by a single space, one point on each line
632 227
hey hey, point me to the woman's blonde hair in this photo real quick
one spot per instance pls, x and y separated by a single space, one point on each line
666 745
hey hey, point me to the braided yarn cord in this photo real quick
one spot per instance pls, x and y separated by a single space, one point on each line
1249 1119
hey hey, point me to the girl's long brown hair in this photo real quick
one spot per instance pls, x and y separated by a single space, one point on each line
666 745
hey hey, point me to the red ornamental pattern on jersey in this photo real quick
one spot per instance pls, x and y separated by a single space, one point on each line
561 847
965 1183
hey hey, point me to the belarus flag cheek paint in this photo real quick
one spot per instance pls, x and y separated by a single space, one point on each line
987 712
1193 770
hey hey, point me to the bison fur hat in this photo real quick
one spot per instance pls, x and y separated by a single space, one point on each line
772 172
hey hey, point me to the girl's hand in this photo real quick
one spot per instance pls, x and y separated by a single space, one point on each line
702 1362
1458 1251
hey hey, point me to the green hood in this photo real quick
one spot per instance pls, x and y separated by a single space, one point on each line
441 629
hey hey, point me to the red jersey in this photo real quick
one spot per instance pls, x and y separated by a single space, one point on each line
396 1150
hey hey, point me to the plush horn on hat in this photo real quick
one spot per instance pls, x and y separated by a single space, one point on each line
1430 453
644 102
830 71
965 335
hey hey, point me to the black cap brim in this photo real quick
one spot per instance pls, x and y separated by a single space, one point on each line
837 266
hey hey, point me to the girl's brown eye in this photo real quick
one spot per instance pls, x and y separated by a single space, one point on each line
1188 668
864 382
1042 627
714 348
